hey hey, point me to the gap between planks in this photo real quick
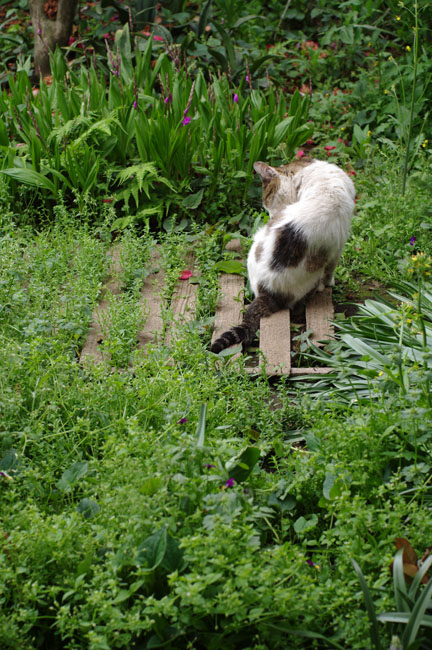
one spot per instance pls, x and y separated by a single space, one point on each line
151 304
229 309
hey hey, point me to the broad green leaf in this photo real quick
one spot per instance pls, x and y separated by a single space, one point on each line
200 430
203 19
417 615
240 466
230 266
151 485
331 488
303 525
284 505
370 608
403 617
72 475
173 558
280 130
399 583
151 552
29 177
88 508
192 201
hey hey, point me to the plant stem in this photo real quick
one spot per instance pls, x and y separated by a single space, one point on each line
414 83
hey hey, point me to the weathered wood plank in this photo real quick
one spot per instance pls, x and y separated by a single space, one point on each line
275 343
310 371
92 347
229 310
183 303
151 302
319 313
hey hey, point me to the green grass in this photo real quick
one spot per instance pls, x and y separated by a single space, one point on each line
120 523
118 528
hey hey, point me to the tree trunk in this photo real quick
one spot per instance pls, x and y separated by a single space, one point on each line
51 28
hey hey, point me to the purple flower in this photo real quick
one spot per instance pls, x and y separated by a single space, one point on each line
168 99
412 240
209 466
247 78
135 105
186 120
182 421
235 98
230 483
316 566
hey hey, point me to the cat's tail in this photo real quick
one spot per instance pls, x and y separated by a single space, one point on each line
264 305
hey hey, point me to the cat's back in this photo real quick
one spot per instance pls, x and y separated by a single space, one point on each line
324 181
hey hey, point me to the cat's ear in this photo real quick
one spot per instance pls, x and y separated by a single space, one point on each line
265 171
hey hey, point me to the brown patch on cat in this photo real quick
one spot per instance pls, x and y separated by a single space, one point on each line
289 249
269 189
258 251
293 167
316 260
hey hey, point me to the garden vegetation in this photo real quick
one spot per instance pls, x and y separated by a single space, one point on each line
164 498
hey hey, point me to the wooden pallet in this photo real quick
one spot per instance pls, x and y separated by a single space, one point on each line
275 331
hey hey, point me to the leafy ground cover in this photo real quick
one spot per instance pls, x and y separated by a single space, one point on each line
166 499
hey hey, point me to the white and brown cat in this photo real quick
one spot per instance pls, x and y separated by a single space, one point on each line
310 205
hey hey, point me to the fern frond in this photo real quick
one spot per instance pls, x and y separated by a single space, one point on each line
144 174
101 126
61 132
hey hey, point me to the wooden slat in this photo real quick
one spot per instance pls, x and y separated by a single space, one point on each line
309 371
319 313
230 306
151 302
92 346
275 343
183 303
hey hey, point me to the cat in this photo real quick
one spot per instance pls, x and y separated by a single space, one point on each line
310 204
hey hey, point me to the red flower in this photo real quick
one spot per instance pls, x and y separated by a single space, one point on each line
329 147
300 153
185 275
107 200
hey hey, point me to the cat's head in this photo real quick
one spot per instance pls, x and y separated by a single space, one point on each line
279 184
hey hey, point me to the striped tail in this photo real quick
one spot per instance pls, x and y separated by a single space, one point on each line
264 305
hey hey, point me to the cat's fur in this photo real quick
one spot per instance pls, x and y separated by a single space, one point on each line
310 205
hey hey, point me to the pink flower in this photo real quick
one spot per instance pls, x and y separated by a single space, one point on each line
329 147
71 40
300 153
310 141
107 200
185 275
168 99
235 98
186 120
106 35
